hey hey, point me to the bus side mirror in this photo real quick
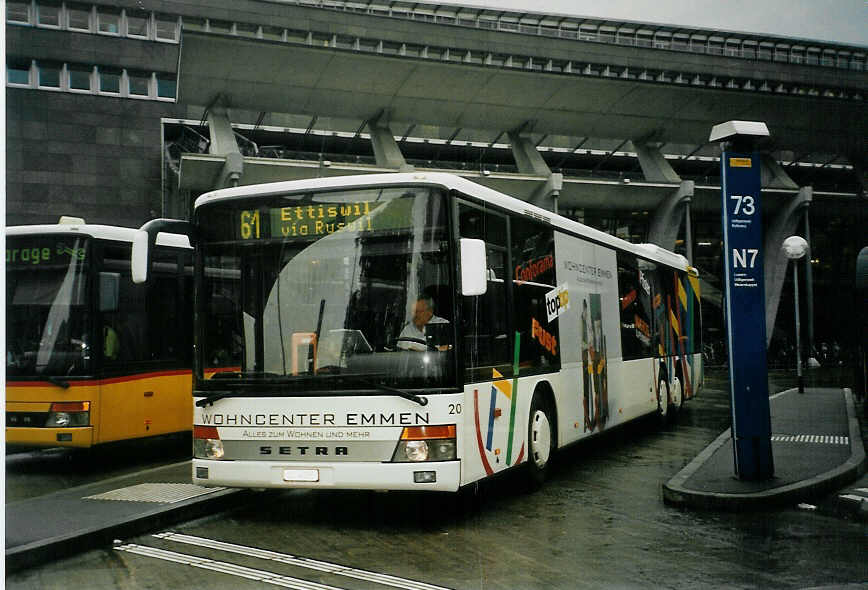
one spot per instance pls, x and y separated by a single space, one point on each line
139 261
474 274
145 239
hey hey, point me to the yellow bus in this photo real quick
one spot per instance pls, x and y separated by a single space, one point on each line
91 357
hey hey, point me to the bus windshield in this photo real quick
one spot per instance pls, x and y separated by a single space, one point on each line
47 315
332 290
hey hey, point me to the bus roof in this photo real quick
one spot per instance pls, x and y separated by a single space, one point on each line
449 182
99 232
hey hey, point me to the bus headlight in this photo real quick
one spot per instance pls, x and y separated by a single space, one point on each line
426 443
207 443
208 448
416 450
68 414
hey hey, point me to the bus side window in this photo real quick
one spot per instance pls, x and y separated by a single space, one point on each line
485 322
533 276
169 304
123 329
634 292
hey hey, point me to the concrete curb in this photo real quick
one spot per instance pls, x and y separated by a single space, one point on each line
60 546
676 494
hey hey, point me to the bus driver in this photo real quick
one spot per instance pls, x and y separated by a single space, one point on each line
412 337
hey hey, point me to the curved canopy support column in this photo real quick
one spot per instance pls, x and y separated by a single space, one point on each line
386 151
781 227
773 174
666 222
654 166
223 144
529 161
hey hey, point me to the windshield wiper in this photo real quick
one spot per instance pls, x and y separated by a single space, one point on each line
209 400
422 401
59 382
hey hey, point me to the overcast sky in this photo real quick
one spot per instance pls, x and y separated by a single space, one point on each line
840 21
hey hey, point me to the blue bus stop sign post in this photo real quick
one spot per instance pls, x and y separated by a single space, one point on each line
745 315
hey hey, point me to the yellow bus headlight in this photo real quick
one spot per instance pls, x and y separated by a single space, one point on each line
68 414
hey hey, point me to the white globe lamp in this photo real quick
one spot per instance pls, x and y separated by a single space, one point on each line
795 247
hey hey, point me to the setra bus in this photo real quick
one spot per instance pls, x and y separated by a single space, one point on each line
92 358
419 331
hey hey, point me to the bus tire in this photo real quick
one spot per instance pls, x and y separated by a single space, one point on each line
677 400
540 440
662 401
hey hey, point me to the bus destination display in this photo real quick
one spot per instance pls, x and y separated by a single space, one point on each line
321 219
30 252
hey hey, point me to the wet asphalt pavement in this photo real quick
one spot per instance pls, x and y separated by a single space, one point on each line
600 521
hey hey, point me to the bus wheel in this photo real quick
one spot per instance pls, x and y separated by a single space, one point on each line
540 441
662 401
677 399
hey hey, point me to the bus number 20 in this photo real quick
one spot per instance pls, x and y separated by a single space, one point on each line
454 409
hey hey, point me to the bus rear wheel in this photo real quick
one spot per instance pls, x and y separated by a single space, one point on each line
677 399
662 401
540 440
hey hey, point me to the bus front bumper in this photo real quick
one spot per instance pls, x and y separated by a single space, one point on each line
50 437
443 476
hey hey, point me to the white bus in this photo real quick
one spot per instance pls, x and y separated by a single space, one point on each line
419 331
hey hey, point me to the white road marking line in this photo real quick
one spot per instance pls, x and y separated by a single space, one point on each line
811 438
322 566
225 568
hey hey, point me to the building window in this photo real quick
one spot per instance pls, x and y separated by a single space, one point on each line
48 15
109 20
345 42
296 36
166 27
49 75
18 74
391 48
247 30
109 81
18 12
78 17
321 40
79 77
220 26
272 33
139 83
166 86
138 24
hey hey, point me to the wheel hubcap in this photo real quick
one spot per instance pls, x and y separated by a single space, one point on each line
662 401
541 439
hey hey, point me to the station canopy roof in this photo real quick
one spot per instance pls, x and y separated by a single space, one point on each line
260 75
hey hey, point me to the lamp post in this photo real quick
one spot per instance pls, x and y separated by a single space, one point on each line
795 248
